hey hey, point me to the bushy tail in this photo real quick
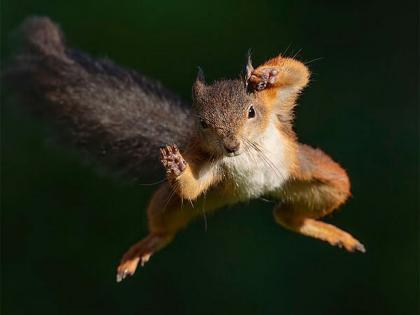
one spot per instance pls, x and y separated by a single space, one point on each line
118 115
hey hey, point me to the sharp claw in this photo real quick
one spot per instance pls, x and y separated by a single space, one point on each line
122 275
261 86
360 247
145 259
172 160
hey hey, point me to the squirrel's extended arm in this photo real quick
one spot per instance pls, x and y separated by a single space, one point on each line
317 185
279 82
189 175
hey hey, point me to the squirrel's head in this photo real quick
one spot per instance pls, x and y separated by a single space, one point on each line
229 117
233 114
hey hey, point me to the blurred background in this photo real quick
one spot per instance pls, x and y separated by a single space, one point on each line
65 225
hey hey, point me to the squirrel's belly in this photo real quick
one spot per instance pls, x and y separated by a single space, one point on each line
251 180
250 175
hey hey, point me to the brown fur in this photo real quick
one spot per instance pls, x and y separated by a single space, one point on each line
113 113
237 140
316 184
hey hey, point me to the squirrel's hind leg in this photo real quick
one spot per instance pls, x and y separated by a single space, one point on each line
140 253
319 230
322 187
167 214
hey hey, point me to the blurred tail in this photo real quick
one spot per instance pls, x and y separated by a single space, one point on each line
118 115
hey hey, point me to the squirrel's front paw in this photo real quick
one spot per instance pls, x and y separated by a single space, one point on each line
261 78
172 160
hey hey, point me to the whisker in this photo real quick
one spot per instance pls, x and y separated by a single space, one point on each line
257 150
154 183
297 53
252 153
265 158
204 212
169 198
266 200
287 48
310 61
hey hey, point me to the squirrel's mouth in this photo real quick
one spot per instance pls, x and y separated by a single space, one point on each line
232 154
232 148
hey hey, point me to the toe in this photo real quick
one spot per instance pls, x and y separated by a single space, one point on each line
121 275
360 248
145 259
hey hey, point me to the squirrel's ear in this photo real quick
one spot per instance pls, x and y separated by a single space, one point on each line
200 76
199 84
248 68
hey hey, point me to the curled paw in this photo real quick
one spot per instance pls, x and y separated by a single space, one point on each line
261 78
172 160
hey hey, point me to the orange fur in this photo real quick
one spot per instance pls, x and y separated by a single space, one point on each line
313 184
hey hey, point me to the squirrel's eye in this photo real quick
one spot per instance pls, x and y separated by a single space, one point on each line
203 124
251 112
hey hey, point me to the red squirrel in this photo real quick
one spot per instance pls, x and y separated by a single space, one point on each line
235 143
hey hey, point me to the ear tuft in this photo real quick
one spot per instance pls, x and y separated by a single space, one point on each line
248 68
199 84
200 76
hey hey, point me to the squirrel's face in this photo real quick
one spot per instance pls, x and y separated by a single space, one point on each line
229 118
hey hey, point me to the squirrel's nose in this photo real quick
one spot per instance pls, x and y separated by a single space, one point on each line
232 147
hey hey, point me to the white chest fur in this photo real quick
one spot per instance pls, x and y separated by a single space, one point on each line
255 173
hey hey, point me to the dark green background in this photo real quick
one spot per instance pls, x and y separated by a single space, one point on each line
65 226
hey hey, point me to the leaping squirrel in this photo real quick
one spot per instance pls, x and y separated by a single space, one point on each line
235 142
